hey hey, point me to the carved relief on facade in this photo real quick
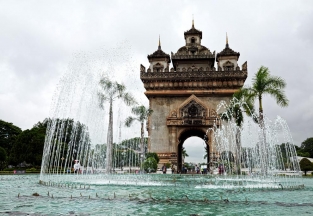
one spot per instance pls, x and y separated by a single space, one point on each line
228 66
244 66
142 68
213 113
173 122
174 114
158 67
191 112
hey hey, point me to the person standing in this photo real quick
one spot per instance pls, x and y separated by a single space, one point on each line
164 169
76 166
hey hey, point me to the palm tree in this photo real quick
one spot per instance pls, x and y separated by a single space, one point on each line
112 91
184 153
142 113
264 83
241 102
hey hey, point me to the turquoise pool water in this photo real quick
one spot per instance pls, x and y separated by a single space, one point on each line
16 194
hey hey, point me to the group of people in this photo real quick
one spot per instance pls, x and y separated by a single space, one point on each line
183 170
164 169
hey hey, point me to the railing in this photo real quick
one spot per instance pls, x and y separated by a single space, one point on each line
193 122
194 74
201 56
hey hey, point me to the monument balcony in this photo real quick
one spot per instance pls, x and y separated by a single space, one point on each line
194 122
193 75
164 155
196 56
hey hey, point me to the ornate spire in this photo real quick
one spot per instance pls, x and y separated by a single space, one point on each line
159 47
227 51
193 30
227 40
159 53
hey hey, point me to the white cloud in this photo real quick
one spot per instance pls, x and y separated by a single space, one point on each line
39 39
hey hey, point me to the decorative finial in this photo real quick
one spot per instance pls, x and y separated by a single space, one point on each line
226 38
193 22
227 41
159 43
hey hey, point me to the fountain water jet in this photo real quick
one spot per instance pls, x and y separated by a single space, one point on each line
77 128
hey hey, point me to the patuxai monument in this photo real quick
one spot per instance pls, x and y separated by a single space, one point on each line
184 96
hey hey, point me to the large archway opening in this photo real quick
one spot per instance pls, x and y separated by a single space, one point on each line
202 139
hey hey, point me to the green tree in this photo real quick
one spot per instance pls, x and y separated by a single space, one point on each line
307 146
150 165
142 114
184 153
3 158
66 140
29 145
306 165
154 155
263 83
112 91
8 134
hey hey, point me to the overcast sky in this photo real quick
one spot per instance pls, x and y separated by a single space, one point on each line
38 40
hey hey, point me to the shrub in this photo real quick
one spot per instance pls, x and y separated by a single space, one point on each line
154 155
31 170
306 165
9 169
150 165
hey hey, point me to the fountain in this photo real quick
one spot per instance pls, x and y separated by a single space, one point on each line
76 132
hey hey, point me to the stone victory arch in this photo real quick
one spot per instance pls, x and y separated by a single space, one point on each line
184 97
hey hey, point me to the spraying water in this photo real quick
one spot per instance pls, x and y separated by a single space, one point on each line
76 150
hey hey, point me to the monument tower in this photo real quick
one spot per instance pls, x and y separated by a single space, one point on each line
184 98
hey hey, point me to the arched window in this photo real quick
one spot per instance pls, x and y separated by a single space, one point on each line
158 68
228 66
192 40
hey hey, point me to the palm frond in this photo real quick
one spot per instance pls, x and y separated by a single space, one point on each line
120 89
149 112
275 82
101 98
139 110
129 121
128 99
279 96
106 84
